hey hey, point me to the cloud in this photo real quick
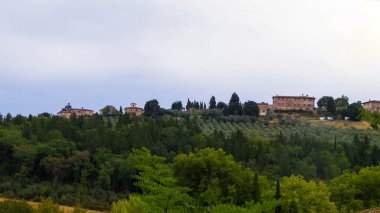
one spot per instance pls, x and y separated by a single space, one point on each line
199 47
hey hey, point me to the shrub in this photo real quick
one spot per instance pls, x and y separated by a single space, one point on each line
132 205
9 206
48 206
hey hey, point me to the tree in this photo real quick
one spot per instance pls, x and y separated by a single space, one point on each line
372 118
327 103
132 205
189 105
234 106
353 111
221 105
196 105
212 103
256 189
177 105
155 179
121 110
341 104
308 196
277 196
109 110
151 108
251 108
213 177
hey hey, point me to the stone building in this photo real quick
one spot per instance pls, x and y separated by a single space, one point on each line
263 107
372 106
134 110
68 111
293 103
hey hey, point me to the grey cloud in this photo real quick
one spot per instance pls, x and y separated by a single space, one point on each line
86 50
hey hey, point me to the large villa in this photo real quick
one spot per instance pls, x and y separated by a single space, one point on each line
67 111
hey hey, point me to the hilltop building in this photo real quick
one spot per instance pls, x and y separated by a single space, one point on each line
372 106
68 111
263 107
293 103
134 110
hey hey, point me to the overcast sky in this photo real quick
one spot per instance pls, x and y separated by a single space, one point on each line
92 53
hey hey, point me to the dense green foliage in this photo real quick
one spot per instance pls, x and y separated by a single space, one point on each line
188 163
327 103
10 206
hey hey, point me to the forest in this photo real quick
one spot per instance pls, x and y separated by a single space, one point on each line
168 162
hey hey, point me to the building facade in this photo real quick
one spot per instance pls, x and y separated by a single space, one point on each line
134 110
68 111
372 106
263 107
293 103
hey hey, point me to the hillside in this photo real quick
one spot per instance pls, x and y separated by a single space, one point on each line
206 162
324 130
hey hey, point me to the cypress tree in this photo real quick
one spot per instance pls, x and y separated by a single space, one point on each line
278 191
277 196
189 105
256 189
212 104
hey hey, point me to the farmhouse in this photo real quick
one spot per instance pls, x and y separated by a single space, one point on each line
134 110
293 103
68 111
372 106
263 107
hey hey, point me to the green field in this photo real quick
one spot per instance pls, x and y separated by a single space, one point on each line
322 132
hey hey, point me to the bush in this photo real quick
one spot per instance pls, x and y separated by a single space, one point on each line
9 206
48 206
132 205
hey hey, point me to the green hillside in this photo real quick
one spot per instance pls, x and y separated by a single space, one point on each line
270 131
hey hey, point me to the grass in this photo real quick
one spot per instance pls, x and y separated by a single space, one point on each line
64 208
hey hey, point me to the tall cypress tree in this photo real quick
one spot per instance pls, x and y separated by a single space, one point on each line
189 105
277 196
234 106
212 103
256 189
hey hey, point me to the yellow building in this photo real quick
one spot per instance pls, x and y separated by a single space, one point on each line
293 103
372 106
134 110
68 111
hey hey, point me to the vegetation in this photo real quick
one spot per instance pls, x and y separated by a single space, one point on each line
215 160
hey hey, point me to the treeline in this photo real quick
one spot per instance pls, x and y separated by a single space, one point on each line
234 107
166 164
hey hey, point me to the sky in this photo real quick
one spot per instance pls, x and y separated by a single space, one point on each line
93 53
